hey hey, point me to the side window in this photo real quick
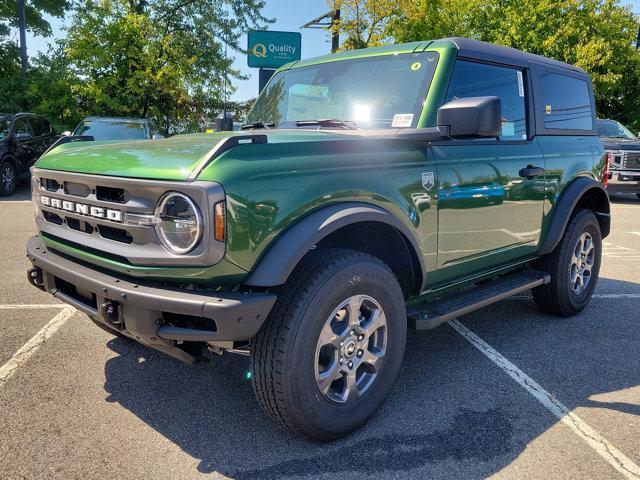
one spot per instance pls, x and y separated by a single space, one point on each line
567 103
45 126
37 126
472 79
22 126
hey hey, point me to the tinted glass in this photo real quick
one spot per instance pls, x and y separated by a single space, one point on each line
613 129
567 103
478 80
22 126
111 130
5 127
376 92
38 127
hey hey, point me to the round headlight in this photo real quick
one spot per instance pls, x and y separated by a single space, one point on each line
178 223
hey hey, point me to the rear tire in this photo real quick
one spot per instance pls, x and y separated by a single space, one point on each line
8 178
336 305
574 266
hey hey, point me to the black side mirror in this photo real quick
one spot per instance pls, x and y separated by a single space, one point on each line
474 117
22 136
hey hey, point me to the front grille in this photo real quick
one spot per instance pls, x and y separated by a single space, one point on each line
113 217
631 160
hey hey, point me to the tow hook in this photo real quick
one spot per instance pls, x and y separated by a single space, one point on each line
110 311
35 278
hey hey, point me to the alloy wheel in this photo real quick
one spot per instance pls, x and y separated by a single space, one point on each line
582 261
8 177
350 349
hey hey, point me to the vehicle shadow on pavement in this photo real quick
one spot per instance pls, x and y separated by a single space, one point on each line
22 193
450 408
624 199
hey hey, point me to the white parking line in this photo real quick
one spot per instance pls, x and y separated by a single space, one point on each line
29 348
592 438
32 305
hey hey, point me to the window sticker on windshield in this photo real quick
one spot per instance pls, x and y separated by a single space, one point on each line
520 84
402 120
416 66
508 129
548 109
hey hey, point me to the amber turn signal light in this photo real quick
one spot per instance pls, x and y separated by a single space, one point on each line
220 221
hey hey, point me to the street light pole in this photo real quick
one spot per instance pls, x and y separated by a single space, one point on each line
23 52
23 37
330 20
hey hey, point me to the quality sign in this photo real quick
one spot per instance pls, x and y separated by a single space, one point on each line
268 49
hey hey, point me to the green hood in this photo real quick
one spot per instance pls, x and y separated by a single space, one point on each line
172 158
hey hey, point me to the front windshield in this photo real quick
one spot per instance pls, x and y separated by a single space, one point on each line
5 127
373 93
613 129
111 130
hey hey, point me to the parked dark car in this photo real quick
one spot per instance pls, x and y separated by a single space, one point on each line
117 128
624 148
23 138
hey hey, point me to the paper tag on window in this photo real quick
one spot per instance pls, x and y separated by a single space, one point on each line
508 129
520 84
402 120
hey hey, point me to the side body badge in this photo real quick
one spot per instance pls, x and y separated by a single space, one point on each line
428 180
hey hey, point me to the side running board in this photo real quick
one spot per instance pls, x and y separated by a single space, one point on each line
430 314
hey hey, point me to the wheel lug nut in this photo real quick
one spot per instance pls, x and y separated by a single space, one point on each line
341 361
342 344
351 332
359 353
360 337
350 364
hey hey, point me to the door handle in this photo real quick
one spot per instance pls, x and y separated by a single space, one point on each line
531 172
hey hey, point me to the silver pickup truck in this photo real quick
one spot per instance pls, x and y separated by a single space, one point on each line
624 148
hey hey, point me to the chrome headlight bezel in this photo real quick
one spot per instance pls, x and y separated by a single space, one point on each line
166 243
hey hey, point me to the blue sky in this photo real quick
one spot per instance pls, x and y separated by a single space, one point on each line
290 16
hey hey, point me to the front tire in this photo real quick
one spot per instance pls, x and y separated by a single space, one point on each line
327 356
574 266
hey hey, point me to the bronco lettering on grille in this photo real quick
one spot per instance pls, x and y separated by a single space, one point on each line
82 209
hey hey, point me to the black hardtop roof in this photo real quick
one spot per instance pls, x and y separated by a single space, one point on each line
468 47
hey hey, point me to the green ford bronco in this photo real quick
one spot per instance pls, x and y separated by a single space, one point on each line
370 192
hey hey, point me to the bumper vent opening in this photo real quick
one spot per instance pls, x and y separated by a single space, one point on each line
52 217
50 185
189 321
77 189
70 290
80 226
111 194
115 234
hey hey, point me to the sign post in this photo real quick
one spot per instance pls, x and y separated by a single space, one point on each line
268 50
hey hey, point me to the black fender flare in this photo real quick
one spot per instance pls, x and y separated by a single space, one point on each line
282 257
567 203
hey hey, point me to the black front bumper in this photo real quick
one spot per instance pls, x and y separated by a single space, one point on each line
155 317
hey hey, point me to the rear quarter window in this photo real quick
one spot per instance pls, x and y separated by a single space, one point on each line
566 102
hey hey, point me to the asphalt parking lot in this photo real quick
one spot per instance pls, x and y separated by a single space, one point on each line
505 392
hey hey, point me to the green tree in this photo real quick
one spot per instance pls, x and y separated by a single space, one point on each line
9 77
364 22
51 85
35 11
596 35
166 59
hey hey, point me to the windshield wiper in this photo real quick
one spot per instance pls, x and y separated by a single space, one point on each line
265 125
328 123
